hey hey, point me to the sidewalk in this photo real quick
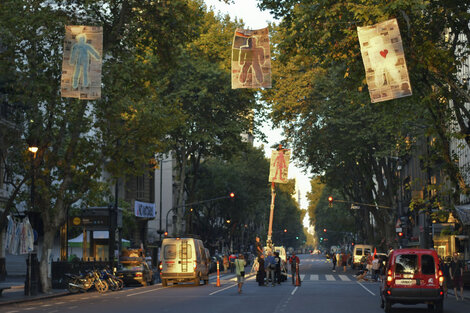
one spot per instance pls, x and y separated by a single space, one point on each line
16 293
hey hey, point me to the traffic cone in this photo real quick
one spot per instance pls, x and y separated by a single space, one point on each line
297 276
218 275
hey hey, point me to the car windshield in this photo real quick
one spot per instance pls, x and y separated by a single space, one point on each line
131 267
406 264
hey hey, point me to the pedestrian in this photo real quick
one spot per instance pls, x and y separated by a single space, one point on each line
375 269
261 273
360 276
344 261
293 261
333 259
277 271
225 262
270 265
456 274
240 264
258 247
232 257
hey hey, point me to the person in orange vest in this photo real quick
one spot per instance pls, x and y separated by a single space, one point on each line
294 261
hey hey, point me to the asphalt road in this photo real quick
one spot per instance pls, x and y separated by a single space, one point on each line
321 291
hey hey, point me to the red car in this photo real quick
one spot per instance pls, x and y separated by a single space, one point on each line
413 276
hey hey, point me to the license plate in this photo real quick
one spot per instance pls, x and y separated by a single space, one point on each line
405 282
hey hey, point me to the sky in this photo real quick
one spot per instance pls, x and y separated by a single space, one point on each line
253 18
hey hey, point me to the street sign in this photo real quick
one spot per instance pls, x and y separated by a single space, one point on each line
398 229
355 207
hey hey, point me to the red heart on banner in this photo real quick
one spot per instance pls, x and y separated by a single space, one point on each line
384 53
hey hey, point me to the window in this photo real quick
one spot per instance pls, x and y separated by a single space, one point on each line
188 252
427 265
406 264
169 252
359 251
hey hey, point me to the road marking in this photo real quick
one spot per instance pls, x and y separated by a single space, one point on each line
73 307
147 291
293 291
344 278
366 288
302 277
314 277
222 289
330 277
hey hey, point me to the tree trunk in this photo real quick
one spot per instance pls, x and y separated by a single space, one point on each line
48 243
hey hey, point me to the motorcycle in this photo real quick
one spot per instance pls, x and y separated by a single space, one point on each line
84 282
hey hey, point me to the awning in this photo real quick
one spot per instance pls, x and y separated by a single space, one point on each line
463 213
97 234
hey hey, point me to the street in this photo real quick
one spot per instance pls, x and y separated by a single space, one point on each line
321 291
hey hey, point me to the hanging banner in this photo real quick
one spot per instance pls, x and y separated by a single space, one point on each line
144 209
81 65
384 61
279 166
251 59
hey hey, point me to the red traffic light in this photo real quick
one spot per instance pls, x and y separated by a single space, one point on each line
285 230
330 199
352 243
400 234
324 230
165 233
232 195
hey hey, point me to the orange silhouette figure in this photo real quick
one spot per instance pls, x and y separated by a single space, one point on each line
279 164
251 56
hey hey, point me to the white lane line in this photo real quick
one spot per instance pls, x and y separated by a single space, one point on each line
73 307
147 291
222 289
344 278
366 288
293 291
302 277
314 277
330 277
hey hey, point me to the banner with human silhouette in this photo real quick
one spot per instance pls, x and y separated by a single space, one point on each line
251 59
279 166
81 64
384 61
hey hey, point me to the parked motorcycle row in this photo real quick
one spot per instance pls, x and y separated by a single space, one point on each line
102 280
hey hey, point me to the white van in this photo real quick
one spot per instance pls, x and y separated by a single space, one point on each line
183 260
358 252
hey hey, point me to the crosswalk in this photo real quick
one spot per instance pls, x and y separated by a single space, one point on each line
326 277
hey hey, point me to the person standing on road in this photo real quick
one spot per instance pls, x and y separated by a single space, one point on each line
225 262
456 274
293 261
333 259
239 265
261 274
270 265
277 271
344 261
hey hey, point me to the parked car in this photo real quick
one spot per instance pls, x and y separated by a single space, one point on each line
413 276
136 272
184 260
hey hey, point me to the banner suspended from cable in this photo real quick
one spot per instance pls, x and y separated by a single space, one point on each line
279 166
81 65
251 59
384 61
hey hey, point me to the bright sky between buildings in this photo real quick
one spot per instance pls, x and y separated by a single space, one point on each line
254 18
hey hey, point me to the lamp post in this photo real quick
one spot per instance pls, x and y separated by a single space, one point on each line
28 287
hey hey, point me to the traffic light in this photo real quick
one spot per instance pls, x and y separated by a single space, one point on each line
321 238
165 233
285 230
324 230
232 195
352 243
400 234
297 237
330 201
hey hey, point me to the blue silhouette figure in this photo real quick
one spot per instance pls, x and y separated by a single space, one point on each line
80 58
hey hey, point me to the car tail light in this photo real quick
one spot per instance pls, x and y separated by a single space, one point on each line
389 292
138 274
441 278
195 265
160 266
389 277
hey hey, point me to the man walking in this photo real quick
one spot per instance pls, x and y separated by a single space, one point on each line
270 265
456 274
294 261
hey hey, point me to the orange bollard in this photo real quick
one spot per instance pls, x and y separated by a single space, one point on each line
297 276
218 275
